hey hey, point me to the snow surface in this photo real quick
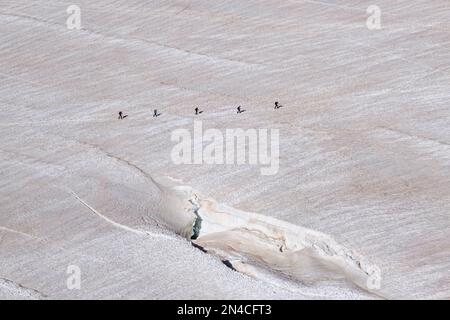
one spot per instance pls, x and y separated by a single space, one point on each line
364 141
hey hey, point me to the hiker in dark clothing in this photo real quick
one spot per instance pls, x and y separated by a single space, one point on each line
120 115
196 111
155 113
239 109
276 105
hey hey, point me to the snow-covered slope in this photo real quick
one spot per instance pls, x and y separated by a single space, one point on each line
364 141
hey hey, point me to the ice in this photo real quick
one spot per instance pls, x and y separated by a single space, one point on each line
364 143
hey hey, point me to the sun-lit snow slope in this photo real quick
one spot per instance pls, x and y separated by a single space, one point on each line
365 140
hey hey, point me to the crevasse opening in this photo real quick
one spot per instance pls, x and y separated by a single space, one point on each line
197 223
